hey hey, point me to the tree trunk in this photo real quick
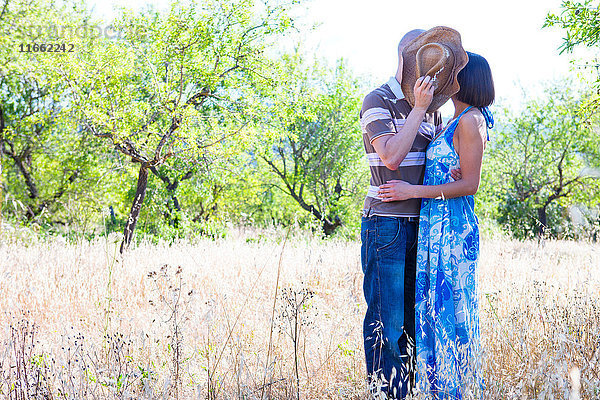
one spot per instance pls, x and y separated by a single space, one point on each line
543 221
175 220
140 192
330 227
31 186
171 188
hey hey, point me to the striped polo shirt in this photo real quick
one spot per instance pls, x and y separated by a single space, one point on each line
383 112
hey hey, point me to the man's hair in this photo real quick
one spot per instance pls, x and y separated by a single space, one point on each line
476 83
408 37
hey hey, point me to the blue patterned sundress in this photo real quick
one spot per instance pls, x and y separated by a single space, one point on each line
447 322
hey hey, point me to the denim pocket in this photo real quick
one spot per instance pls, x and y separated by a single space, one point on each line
389 231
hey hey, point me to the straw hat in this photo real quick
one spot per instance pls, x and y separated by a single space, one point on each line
437 53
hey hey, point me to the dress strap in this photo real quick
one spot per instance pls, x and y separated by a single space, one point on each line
455 120
487 115
461 114
452 124
489 120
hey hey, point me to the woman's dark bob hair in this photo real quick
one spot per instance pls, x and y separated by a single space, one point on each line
476 83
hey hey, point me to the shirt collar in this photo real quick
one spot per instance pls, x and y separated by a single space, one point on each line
395 86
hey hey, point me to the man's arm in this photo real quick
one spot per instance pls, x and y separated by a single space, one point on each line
392 149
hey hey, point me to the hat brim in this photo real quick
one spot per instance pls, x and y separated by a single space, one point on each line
440 34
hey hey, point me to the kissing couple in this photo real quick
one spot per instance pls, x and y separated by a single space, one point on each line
419 231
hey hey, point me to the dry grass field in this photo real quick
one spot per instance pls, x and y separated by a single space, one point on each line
250 316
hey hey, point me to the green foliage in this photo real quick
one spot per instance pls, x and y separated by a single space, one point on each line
542 161
48 162
174 83
172 86
230 131
313 149
581 22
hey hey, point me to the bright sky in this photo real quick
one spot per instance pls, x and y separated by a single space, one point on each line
366 33
507 33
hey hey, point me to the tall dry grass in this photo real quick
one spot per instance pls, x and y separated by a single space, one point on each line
256 316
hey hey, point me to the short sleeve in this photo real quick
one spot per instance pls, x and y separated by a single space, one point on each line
376 118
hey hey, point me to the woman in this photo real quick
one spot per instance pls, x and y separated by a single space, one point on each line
447 320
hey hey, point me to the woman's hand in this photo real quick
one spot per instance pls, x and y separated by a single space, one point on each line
395 190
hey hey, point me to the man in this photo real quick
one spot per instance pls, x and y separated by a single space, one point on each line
396 132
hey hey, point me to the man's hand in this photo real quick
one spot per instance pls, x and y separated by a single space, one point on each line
396 190
392 149
456 174
424 88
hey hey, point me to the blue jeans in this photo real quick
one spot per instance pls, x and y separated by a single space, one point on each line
388 257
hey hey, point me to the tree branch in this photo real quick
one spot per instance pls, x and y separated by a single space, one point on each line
223 137
3 9
2 123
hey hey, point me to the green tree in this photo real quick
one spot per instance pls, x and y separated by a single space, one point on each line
46 157
580 21
543 160
174 83
199 196
315 149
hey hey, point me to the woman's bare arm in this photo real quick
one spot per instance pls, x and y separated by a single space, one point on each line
471 144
